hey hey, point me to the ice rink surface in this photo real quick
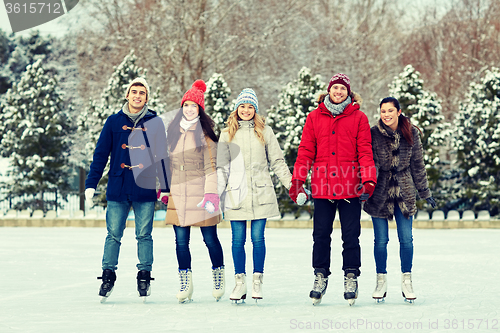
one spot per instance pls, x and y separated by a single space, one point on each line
48 284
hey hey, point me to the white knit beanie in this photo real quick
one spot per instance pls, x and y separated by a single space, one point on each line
141 81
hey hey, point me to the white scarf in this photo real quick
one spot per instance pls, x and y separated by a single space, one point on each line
186 124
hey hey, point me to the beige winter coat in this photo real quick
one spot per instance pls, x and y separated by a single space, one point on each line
193 174
245 185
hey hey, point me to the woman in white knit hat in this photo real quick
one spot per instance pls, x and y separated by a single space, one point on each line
247 149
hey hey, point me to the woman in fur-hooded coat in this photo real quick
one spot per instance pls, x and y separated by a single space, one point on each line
398 156
401 172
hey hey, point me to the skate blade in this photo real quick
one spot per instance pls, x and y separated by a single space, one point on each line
408 300
185 301
143 298
379 300
351 301
316 301
238 301
103 299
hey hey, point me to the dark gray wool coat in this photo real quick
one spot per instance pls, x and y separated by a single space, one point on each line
401 173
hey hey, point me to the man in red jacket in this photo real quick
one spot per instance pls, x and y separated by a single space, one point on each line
336 143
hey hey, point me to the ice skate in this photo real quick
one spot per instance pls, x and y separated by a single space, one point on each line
219 283
407 288
351 288
240 289
257 286
319 287
108 283
381 288
186 290
143 284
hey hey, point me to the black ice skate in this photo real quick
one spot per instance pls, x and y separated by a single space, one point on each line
143 284
350 288
319 287
108 282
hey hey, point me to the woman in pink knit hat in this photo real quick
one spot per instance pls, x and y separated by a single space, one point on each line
193 200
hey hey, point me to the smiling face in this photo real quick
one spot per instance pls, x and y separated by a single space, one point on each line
190 110
137 97
338 93
246 111
389 115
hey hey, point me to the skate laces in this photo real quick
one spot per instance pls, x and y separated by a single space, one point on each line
351 283
217 274
319 283
380 282
183 276
256 285
407 283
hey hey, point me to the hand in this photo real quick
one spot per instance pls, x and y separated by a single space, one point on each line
363 197
296 188
162 196
303 197
365 191
89 195
431 202
210 202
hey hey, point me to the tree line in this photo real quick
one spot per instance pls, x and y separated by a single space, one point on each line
286 51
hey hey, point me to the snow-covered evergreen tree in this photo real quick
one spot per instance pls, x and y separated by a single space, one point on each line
20 52
476 140
156 103
36 129
424 110
217 103
91 121
287 119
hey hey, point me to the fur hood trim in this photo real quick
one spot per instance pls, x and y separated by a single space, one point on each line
356 98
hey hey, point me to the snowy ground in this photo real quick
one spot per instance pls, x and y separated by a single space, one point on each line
48 284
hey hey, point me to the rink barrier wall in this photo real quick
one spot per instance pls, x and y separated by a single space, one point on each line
98 220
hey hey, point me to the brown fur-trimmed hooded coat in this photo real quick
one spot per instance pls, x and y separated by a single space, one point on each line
401 173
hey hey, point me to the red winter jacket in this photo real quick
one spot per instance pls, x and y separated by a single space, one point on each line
340 151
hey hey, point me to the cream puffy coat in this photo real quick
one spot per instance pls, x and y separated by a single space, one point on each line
193 174
245 185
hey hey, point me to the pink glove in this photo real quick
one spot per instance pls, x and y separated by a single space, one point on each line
210 202
162 196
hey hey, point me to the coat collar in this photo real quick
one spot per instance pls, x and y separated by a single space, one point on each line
149 114
385 130
347 111
246 123
190 129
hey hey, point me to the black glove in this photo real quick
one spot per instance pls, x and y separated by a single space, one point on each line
431 202
363 197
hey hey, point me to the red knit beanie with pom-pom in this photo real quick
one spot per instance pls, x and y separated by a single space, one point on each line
196 94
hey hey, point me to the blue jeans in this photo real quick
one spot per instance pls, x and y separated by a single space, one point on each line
182 235
381 231
116 219
239 231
